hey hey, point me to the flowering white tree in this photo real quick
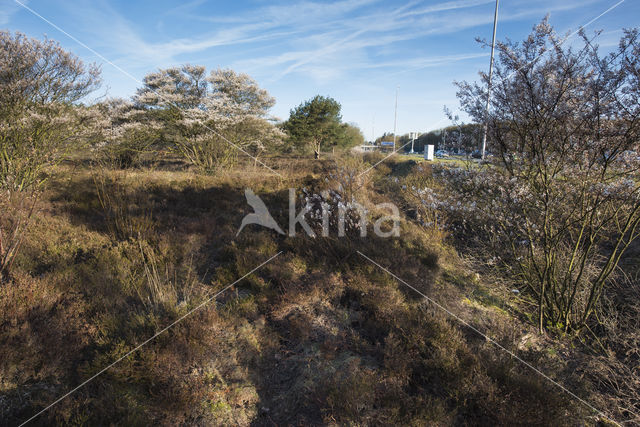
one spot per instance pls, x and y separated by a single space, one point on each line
39 121
560 202
208 119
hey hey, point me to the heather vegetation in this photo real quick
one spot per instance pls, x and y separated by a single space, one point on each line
119 218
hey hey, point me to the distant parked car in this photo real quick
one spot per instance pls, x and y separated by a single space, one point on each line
442 153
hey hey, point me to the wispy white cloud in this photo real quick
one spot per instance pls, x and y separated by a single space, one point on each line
323 50
127 39
307 32
291 14
355 48
446 6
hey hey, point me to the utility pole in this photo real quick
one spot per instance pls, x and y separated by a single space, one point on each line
486 111
395 120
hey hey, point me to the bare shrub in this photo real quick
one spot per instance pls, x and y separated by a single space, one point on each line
17 211
126 210
614 368
558 203
210 153
161 286
349 177
420 192
372 157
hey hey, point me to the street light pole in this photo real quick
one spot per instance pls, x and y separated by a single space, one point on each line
486 121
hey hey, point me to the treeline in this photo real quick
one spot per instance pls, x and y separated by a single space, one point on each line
457 138
209 118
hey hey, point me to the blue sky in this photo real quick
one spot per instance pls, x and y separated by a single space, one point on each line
356 51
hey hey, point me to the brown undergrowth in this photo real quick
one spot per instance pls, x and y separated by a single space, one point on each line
317 336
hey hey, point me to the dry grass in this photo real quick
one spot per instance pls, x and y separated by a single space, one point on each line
319 336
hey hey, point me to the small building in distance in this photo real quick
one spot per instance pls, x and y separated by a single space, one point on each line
365 148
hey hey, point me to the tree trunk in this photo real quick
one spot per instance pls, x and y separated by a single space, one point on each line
2 259
541 308
316 151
